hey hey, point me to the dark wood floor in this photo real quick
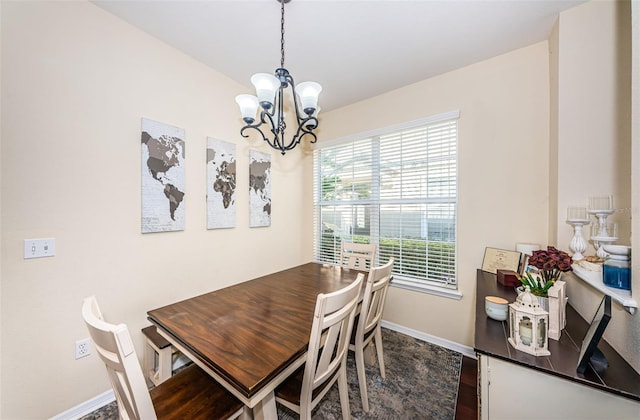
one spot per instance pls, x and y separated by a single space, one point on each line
467 406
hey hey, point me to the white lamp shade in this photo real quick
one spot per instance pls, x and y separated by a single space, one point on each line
308 93
266 86
248 107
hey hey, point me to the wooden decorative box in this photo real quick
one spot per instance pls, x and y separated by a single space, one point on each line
508 278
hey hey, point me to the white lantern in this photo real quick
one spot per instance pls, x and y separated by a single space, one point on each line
528 325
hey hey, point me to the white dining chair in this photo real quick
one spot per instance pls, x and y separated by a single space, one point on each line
326 360
189 394
367 325
357 256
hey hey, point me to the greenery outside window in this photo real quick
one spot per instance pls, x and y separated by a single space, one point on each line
396 188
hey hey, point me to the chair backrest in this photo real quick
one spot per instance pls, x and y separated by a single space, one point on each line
114 346
375 294
357 256
329 339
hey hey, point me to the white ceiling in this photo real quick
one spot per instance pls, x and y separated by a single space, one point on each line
355 49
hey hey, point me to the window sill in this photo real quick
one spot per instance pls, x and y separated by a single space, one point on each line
424 288
594 279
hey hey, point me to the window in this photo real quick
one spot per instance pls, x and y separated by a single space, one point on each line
396 188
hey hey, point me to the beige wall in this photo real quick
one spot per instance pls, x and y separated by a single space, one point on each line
75 83
594 94
593 47
503 169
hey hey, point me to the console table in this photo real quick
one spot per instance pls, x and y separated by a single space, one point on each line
517 385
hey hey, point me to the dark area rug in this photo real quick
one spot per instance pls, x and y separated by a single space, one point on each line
421 383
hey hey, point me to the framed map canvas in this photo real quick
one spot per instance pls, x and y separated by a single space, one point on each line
221 184
259 189
163 181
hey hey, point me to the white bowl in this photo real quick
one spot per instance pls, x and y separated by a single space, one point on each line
617 249
496 308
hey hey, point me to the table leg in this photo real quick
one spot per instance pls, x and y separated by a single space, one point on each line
247 414
266 409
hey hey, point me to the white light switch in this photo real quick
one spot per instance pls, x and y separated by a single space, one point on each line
38 248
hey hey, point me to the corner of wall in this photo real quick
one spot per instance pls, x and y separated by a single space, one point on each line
553 45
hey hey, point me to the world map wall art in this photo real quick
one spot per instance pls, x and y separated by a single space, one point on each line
163 180
259 189
221 184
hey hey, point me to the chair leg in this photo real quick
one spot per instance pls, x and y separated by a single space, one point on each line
362 378
343 387
378 344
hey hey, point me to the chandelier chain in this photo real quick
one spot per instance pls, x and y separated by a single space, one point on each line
282 34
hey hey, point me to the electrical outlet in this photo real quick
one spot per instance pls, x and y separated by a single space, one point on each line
83 348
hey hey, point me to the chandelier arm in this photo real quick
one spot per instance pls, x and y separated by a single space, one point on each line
265 138
308 128
266 119
304 130
300 134
276 143
281 122
295 100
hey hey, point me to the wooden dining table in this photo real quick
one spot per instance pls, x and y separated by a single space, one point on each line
251 336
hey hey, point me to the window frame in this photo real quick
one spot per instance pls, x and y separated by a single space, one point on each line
426 286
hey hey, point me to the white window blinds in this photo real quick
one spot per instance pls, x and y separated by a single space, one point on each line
397 190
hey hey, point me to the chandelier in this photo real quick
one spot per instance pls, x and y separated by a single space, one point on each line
270 91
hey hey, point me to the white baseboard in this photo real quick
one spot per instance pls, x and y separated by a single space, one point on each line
451 345
107 397
87 407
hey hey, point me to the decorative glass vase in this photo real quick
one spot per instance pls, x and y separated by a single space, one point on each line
543 301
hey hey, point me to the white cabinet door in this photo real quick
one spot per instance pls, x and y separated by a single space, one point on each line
512 392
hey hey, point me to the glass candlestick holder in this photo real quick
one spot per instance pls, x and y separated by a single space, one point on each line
603 234
601 216
576 213
600 203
